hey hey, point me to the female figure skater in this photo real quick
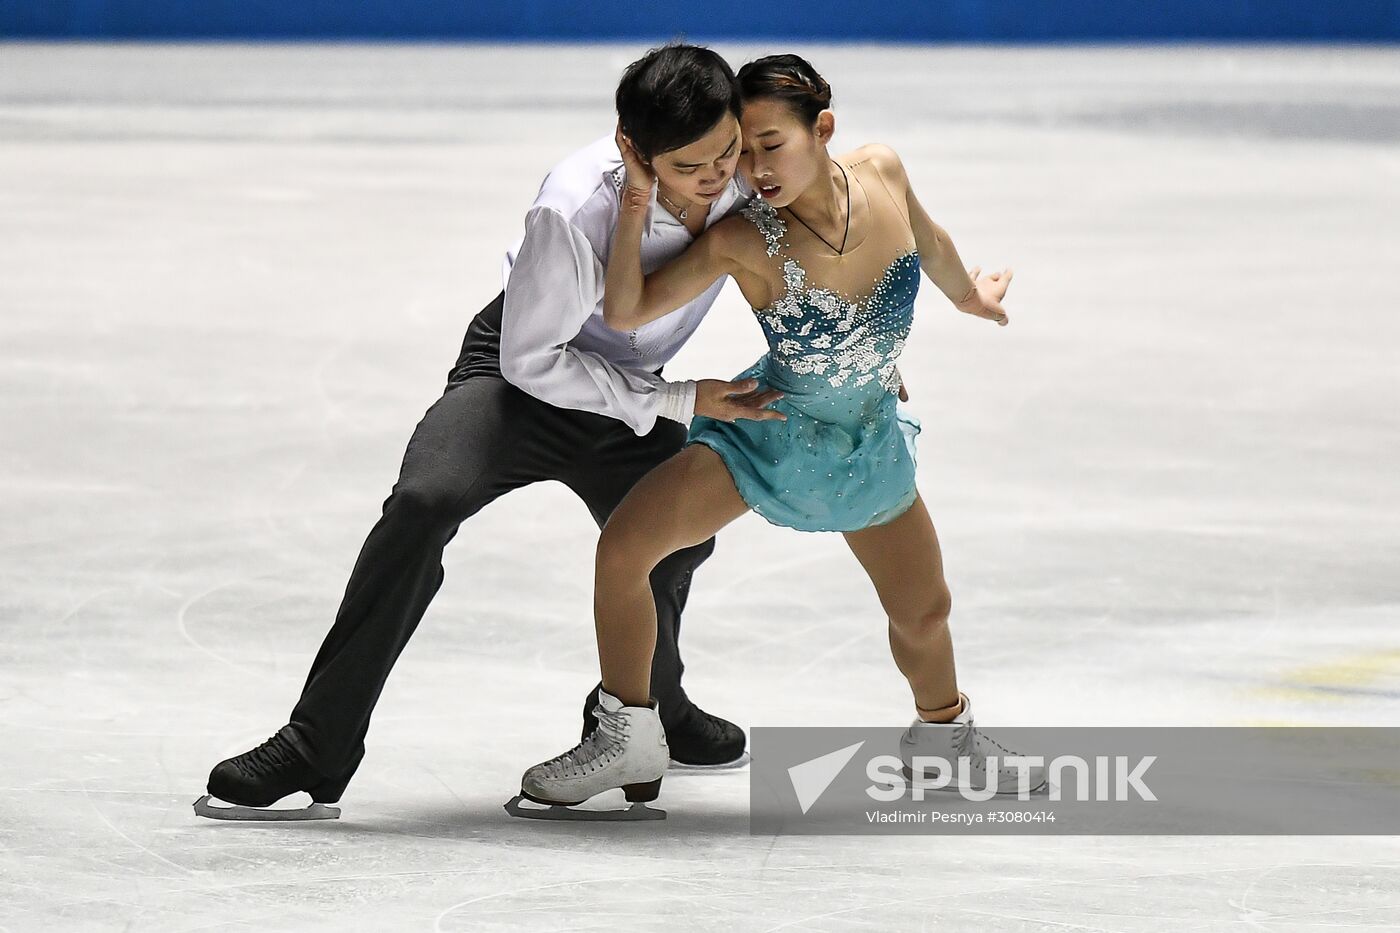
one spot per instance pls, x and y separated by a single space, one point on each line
829 256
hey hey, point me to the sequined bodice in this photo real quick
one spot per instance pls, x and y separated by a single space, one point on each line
819 336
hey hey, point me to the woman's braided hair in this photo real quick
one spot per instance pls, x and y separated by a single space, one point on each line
789 78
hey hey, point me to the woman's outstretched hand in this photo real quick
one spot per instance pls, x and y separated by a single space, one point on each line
730 401
640 177
985 299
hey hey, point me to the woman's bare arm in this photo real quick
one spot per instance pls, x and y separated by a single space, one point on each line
939 257
631 299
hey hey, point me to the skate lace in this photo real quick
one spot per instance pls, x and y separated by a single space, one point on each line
973 742
706 726
597 751
269 757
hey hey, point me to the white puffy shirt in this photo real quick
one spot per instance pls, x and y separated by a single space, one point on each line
554 344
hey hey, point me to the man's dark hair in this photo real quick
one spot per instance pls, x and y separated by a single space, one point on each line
674 95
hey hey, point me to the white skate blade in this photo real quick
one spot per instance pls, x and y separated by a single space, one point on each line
741 762
317 811
528 809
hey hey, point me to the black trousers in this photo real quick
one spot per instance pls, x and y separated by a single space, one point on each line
482 439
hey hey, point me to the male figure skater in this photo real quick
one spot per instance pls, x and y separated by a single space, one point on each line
542 390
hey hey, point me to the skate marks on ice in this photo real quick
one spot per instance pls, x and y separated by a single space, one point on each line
823 889
467 805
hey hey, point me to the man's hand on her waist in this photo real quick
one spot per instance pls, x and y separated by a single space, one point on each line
730 401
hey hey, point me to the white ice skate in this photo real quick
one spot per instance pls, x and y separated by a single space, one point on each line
627 750
961 739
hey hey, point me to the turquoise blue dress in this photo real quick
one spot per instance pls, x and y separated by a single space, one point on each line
844 458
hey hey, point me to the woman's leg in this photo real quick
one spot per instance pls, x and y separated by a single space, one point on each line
681 503
906 566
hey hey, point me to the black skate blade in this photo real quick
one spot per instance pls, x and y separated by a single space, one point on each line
240 814
517 806
741 762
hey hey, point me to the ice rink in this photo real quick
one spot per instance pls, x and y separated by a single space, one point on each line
233 277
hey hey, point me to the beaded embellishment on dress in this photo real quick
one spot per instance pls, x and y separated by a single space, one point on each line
773 227
855 338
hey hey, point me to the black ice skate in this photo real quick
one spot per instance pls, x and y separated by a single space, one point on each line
704 742
256 779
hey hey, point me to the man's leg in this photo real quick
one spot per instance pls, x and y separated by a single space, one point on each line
483 438
456 462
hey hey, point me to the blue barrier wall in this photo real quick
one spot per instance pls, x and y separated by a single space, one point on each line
846 20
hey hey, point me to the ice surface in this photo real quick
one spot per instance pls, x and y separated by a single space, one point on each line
232 278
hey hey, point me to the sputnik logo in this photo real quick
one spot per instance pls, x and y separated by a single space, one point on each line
811 778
